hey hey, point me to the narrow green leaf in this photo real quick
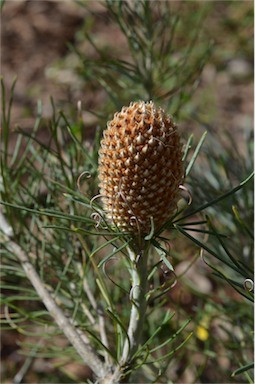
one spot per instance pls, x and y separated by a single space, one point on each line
187 147
166 320
243 369
242 222
116 319
195 154
114 252
204 231
241 269
49 212
171 338
229 281
205 247
99 342
218 199
171 352
162 252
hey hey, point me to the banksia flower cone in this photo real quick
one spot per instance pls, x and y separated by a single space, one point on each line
140 168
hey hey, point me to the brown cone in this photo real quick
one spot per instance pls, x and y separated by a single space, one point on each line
140 168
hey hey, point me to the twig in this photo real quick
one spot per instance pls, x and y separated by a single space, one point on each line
85 351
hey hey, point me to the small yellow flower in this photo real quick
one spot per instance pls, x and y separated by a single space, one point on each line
140 168
202 332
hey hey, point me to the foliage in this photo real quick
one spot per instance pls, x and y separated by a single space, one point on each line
158 66
47 195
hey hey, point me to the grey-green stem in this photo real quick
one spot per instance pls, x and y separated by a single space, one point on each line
138 291
139 283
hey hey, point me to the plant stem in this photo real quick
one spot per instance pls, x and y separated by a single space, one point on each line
139 282
138 291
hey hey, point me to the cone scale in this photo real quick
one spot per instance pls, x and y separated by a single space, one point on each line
140 168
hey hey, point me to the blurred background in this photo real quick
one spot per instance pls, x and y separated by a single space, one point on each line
36 34
67 51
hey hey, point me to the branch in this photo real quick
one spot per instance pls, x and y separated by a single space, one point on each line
85 351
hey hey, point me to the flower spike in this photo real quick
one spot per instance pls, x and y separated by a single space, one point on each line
140 168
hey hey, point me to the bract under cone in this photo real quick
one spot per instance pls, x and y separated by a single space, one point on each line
140 168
